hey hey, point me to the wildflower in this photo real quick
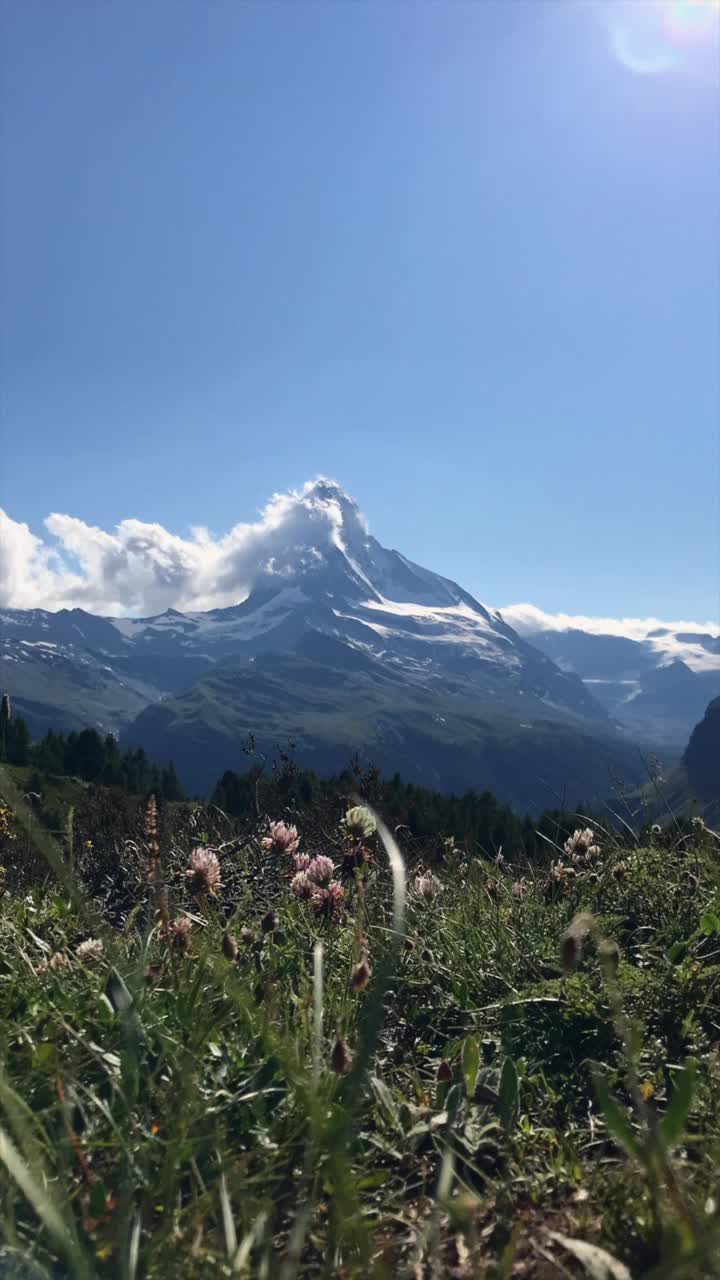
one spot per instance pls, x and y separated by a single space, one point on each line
302 886
647 1089
361 975
179 933
282 838
229 946
321 870
341 1058
57 962
269 922
573 940
359 823
247 936
580 846
519 889
427 886
328 901
492 887
88 844
444 1073
90 952
302 861
203 874
620 870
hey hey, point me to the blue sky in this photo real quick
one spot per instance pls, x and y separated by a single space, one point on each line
462 257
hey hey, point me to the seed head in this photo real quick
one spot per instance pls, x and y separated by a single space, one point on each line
356 855
90 952
57 962
151 826
609 953
247 936
341 1058
269 922
229 946
519 889
427 886
203 874
282 838
573 940
361 975
179 935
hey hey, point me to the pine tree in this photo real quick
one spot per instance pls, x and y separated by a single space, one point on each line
5 718
18 741
170 784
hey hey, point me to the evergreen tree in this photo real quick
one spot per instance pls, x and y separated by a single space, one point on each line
170 784
5 719
17 741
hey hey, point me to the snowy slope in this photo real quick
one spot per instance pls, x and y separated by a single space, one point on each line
654 680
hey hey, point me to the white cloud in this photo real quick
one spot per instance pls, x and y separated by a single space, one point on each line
141 568
527 619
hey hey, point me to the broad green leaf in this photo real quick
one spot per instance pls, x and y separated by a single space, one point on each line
709 924
385 1100
470 1064
508 1089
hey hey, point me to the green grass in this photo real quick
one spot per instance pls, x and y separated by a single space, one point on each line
170 1114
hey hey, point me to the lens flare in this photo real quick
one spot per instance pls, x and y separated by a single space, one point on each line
688 21
661 35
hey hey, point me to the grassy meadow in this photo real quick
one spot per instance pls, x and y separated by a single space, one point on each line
301 1046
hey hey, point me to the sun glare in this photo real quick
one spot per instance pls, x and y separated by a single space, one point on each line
655 36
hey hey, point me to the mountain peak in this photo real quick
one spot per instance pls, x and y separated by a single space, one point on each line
326 497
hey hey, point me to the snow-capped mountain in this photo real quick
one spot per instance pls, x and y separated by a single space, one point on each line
655 681
341 645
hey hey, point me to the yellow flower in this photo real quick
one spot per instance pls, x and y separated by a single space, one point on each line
647 1089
